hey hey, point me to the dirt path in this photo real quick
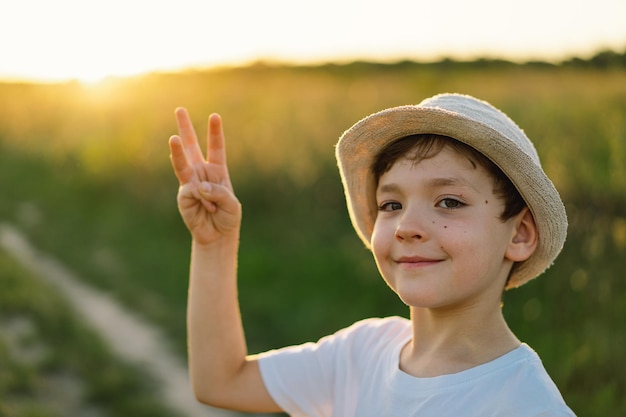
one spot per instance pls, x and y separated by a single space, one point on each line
128 335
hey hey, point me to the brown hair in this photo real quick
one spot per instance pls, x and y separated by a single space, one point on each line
419 147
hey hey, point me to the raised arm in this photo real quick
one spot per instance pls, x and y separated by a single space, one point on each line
222 375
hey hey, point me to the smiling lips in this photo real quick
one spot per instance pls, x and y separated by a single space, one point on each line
416 261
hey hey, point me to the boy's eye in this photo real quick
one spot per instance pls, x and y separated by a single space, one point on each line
390 206
450 203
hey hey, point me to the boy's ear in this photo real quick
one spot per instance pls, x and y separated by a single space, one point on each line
525 237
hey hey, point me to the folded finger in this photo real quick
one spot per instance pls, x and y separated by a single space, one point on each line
219 195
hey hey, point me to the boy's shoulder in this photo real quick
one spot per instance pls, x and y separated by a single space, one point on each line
517 382
377 327
532 386
371 337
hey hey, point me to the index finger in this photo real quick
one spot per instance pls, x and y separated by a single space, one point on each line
182 169
188 136
216 146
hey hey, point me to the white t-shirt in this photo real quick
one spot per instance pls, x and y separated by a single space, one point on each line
356 372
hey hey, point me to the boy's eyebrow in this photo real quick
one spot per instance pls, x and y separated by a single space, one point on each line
432 183
448 181
451 182
388 188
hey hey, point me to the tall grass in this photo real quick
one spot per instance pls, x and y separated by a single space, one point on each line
84 171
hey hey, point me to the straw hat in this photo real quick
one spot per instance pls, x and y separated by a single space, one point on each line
475 123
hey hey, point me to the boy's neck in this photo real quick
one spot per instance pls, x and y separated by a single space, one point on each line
451 342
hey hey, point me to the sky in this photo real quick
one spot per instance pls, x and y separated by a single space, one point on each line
87 40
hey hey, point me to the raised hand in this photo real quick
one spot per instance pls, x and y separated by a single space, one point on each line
206 199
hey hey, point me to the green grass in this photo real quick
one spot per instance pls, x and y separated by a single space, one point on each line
84 172
52 365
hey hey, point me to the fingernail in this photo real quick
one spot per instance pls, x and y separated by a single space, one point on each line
205 186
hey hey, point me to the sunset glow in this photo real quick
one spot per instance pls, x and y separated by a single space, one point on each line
72 39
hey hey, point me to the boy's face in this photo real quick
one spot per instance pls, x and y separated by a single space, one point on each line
438 239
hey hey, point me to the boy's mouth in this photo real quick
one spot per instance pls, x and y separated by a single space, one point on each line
416 261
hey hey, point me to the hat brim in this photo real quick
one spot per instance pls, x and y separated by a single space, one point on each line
359 146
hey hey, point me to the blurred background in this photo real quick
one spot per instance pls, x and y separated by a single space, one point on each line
87 95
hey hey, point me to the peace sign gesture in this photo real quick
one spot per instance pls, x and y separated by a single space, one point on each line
206 199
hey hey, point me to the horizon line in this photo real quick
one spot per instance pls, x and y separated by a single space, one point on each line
313 63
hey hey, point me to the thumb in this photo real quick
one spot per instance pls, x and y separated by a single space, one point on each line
216 196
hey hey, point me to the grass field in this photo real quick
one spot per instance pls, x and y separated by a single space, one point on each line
51 365
84 171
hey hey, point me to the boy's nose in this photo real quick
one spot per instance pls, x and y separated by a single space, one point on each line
410 229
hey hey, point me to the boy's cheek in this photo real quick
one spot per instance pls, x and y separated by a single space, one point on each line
379 240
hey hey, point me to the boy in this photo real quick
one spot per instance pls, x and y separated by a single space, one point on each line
451 198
